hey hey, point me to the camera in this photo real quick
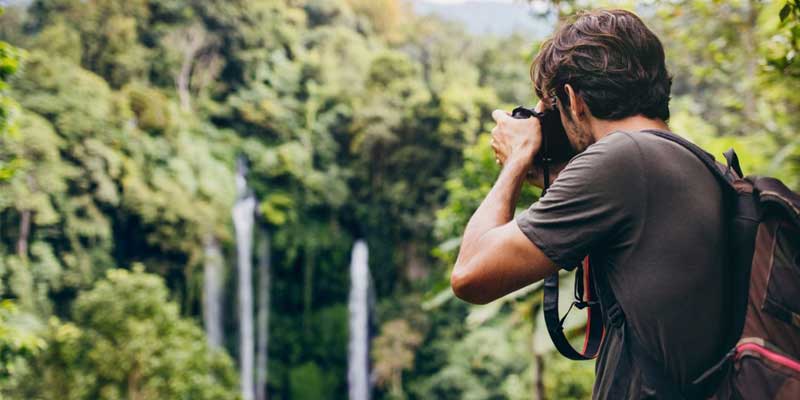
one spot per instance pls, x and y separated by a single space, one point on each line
556 148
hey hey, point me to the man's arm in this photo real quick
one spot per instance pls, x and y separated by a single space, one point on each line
496 258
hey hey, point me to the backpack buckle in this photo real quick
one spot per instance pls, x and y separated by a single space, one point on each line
581 304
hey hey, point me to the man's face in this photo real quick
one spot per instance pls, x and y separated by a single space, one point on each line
578 130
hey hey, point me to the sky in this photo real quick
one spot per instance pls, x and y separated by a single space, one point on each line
488 17
470 1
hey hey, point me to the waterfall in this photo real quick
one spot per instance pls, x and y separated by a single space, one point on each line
262 315
359 309
212 291
243 216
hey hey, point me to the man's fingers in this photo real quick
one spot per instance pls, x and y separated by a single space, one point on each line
500 115
494 133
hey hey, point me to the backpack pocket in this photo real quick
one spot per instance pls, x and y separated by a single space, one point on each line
782 299
761 373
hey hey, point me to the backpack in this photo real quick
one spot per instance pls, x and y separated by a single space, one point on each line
763 361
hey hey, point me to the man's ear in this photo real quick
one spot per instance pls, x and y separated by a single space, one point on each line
576 105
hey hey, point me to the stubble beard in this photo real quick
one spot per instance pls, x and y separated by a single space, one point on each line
579 134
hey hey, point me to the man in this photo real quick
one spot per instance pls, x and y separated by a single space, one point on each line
644 209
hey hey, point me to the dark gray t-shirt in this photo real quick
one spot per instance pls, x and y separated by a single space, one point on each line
649 215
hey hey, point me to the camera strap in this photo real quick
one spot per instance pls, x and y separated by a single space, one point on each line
585 297
584 290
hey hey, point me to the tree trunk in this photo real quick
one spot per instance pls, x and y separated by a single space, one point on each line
538 361
308 289
182 82
189 41
24 232
538 377
262 323
134 381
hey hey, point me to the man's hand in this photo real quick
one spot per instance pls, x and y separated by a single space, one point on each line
502 149
515 139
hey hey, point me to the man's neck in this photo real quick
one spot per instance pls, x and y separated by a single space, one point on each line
601 127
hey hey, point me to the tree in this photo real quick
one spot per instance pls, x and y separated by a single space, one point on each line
19 331
393 352
127 340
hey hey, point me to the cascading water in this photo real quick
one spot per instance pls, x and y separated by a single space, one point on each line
359 309
212 291
262 315
243 218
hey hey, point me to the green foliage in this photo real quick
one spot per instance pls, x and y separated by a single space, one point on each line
60 40
308 381
9 61
19 331
150 107
485 364
568 380
785 58
20 337
127 340
359 120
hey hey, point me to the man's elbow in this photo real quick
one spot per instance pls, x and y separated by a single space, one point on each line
466 287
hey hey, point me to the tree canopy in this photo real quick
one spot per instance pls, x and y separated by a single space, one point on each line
121 123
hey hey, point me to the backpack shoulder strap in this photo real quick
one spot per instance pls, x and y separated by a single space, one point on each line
733 161
721 173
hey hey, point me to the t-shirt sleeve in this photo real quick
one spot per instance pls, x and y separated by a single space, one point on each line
592 203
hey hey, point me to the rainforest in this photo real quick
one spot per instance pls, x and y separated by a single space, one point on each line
253 199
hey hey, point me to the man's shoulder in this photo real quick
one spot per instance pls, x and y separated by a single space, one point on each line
622 149
618 142
607 169
617 152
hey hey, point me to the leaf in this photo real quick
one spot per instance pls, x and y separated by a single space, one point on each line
784 13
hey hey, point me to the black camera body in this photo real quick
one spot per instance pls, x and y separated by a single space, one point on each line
556 148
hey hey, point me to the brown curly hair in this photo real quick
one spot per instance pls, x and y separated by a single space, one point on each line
612 60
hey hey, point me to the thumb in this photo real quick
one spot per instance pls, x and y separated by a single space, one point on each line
500 115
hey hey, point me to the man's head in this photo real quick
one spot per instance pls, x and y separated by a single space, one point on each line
606 65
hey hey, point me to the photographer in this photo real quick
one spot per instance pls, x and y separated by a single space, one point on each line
644 209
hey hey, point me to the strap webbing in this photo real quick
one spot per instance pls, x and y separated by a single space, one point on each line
586 297
585 294
733 162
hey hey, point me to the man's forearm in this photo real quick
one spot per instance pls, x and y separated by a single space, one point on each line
496 209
